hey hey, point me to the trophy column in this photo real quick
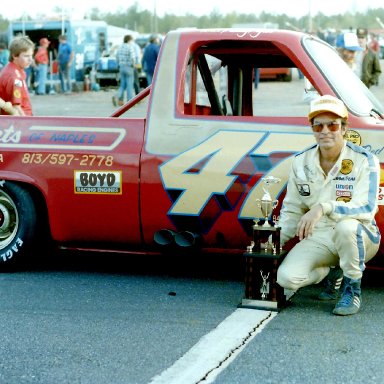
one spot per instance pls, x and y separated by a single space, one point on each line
261 288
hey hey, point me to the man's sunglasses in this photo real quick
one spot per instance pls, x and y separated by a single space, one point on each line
332 126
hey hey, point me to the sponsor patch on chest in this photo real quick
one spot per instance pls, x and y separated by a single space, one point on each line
346 166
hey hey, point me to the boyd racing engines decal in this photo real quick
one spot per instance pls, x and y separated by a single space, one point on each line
98 182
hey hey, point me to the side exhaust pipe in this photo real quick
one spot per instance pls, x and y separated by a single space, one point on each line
184 239
164 237
187 239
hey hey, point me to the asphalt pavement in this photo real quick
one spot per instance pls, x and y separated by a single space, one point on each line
306 343
96 319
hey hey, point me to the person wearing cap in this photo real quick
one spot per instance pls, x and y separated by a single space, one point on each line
367 61
329 210
13 86
347 46
42 61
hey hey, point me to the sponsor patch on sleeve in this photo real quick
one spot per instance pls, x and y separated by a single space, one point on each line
304 189
17 94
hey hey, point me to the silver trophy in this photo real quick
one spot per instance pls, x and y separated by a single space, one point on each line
266 204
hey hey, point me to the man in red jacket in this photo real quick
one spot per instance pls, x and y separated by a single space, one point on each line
13 87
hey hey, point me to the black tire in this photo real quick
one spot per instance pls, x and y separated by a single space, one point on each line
18 223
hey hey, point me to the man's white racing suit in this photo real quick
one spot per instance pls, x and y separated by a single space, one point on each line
347 234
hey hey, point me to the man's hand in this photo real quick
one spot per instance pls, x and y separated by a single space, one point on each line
8 107
308 221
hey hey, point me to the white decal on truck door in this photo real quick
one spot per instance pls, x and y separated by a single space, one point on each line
207 170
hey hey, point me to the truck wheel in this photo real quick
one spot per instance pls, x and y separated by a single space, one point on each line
17 222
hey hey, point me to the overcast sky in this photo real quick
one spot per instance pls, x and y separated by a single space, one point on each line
295 8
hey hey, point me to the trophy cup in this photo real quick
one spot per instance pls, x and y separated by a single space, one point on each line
266 204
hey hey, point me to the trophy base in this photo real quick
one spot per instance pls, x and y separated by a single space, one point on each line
261 288
259 304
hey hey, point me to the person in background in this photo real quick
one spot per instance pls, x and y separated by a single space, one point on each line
367 61
13 87
127 58
4 55
334 225
151 52
256 77
42 61
347 46
65 57
374 44
31 79
137 67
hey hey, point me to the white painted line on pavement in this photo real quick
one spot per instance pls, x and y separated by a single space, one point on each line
217 349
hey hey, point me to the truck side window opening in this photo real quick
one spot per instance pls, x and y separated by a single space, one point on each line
220 81
205 79
213 87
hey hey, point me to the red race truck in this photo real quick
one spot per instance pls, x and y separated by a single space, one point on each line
188 174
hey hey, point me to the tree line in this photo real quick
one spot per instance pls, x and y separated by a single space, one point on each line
145 21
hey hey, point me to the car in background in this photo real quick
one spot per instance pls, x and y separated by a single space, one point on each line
142 40
107 71
284 74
